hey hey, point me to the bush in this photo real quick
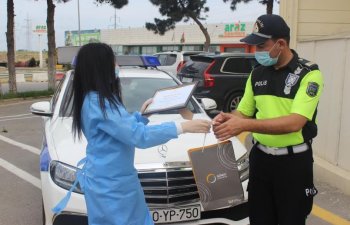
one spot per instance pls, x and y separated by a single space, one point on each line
28 94
32 62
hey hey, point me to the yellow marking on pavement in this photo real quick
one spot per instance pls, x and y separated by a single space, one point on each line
328 216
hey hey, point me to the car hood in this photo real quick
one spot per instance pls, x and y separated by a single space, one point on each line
172 153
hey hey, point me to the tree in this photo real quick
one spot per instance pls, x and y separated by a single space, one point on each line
268 3
118 4
11 47
50 22
51 42
176 11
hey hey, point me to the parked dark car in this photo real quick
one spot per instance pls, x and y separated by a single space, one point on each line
222 77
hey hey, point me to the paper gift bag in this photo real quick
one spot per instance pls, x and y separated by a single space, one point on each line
216 175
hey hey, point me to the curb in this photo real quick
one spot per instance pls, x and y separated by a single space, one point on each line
331 174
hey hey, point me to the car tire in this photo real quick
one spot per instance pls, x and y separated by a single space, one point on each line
232 101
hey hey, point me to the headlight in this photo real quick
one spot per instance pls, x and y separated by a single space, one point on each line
64 175
243 167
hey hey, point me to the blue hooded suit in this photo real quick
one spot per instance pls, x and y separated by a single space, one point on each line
113 193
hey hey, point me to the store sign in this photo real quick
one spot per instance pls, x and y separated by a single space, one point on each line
86 36
234 30
40 29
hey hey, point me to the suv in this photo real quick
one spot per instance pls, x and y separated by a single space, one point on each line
221 77
173 61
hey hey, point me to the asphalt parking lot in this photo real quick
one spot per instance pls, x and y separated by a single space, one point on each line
20 143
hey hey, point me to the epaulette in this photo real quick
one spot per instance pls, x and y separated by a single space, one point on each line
308 64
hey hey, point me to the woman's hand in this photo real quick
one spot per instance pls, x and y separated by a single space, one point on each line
196 126
145 105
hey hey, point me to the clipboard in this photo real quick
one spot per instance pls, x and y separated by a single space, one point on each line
216 174
175 97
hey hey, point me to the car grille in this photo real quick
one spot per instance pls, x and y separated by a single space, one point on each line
169 187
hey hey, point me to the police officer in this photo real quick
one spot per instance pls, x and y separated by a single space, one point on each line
279 107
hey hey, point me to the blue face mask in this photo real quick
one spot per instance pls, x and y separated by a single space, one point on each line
264 58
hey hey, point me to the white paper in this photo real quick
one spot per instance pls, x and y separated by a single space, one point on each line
170 98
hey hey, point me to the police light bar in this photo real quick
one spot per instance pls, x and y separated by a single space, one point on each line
137 60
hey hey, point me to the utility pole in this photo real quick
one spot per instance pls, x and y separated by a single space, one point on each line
79 24
29 33
115 18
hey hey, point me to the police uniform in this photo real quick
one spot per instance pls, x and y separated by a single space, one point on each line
281 185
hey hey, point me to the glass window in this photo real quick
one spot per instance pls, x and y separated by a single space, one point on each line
234 50
236 65
170 48
171 59
118 49
149 50
195 68
214 48
133 50
166 59
192 48
56 95
162 59
135 91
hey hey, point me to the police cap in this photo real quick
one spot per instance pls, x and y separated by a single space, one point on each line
266 27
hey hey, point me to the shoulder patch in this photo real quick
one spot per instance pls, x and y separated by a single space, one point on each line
312 89
308 64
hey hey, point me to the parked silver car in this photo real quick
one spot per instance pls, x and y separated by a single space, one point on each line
173 61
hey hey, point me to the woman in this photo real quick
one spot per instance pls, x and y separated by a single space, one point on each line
112 189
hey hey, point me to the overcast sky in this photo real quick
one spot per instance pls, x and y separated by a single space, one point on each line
93 16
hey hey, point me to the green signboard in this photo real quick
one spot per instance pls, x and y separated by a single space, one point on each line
86 36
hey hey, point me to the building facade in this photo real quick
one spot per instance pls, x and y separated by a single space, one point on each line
321 33
224 38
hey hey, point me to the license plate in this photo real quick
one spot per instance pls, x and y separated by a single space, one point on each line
187 80
170 215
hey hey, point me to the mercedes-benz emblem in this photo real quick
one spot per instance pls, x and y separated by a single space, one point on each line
162 150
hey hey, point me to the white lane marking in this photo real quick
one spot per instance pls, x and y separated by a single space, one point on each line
20 118
21 145
18 115
20 173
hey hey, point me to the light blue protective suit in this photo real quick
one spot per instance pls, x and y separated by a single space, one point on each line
109 179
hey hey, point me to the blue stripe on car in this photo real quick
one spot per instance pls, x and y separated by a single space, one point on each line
45 158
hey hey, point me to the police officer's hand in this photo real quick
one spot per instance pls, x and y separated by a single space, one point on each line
221 118
231 127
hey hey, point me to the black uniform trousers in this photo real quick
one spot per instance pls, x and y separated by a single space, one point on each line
280 189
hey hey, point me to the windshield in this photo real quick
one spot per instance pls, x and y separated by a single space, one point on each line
135 91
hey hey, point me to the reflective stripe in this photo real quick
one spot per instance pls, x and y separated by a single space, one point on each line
283 151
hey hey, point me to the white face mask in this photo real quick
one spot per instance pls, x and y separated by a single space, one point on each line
265 59
116 71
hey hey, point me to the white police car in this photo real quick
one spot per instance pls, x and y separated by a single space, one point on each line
164 171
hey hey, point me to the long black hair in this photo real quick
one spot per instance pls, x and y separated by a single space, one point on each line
94 71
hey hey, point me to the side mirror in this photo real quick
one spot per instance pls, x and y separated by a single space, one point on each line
208 104
41 109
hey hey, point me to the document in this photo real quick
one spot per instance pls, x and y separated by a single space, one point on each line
171 98
216 174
